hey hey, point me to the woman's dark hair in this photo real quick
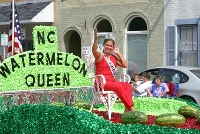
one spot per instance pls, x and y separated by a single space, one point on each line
158 77
106 40
134 75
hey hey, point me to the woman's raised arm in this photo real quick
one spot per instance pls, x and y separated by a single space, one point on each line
97 54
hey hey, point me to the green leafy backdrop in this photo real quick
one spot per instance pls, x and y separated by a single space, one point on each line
16 80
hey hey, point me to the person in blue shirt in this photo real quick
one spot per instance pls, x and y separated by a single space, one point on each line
158 89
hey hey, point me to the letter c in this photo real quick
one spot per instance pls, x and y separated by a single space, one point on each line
48 36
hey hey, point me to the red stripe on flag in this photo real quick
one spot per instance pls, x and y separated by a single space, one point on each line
17 48
10 37
16 45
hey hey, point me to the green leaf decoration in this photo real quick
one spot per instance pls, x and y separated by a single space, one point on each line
44 68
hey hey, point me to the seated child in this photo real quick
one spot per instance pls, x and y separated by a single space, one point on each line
159 89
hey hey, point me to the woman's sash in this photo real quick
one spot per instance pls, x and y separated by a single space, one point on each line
111 65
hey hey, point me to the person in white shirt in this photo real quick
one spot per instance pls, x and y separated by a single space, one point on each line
144 88
136 80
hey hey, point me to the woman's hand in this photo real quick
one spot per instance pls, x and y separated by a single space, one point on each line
115 52
120 59
97 54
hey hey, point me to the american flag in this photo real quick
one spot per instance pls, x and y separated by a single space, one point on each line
17 35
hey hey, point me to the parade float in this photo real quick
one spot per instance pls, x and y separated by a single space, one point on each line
37 88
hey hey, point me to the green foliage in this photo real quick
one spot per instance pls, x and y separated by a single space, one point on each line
134 117
50 119
151 105
45 67
47 46
171 119
16 80
157 106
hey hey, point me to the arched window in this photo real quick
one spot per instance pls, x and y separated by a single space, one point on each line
104 30
104 26
137 24
73 42
137 44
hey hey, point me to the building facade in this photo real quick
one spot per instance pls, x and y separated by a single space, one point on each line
136 25
182 27
149 33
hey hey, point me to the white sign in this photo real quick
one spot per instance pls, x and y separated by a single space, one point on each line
4 40
86 50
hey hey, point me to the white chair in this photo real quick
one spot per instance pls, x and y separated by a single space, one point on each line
108 98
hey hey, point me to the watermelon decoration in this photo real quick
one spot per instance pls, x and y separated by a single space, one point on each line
188 111
171 119
134 117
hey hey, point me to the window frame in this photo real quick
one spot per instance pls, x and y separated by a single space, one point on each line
186 79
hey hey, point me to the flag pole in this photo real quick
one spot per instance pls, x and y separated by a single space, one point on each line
13 25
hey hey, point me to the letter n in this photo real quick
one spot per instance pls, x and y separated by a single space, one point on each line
41 37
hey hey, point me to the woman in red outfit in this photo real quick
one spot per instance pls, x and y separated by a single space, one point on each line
105 64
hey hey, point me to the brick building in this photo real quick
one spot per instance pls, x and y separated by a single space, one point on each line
182 27
148 32
136 25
